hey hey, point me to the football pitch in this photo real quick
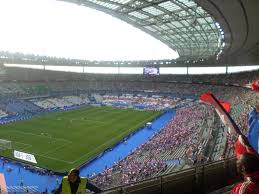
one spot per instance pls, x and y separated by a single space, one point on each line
60 141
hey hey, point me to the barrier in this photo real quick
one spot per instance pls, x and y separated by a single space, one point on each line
199 179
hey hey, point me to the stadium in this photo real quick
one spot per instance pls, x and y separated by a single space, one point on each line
136 126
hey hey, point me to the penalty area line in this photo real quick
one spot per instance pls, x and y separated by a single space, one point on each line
57 148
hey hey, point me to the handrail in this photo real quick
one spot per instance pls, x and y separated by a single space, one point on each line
193 171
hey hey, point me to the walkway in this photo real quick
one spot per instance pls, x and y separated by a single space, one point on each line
18 176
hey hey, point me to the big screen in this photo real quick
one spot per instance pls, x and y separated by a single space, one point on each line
151 71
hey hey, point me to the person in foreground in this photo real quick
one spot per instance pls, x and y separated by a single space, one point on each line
74 184
248 166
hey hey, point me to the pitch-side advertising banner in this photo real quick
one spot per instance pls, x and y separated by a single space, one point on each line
24 156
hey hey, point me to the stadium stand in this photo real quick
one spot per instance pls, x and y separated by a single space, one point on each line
205 138
60 102
199 179
3 114
29 75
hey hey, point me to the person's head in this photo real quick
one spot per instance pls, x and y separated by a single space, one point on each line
73 175
247 163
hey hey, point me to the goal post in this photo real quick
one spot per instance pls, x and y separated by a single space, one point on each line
5 144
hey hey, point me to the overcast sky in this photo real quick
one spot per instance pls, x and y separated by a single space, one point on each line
56 28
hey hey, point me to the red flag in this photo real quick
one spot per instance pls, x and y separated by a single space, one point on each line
222 109
207 97
226 105
255 85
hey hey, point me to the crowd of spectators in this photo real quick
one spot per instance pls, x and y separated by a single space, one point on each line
68 82
184 129
154 102
147 160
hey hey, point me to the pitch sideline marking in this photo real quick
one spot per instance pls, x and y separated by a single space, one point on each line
29 145
53 158
25 133
72 142
25 147
84 119
44 155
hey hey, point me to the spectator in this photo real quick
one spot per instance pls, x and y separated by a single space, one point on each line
21 181
73 184
248 166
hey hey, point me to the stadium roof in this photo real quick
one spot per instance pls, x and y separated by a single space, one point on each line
181 24
225 34
229 28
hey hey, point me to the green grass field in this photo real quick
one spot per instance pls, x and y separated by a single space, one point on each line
68 139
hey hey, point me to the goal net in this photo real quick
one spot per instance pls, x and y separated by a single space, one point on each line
5 144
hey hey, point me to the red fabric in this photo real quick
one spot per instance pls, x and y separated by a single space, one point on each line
241 149
226 105
206 97
248 187
255 85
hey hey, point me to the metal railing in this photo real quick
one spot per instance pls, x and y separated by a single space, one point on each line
199 179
